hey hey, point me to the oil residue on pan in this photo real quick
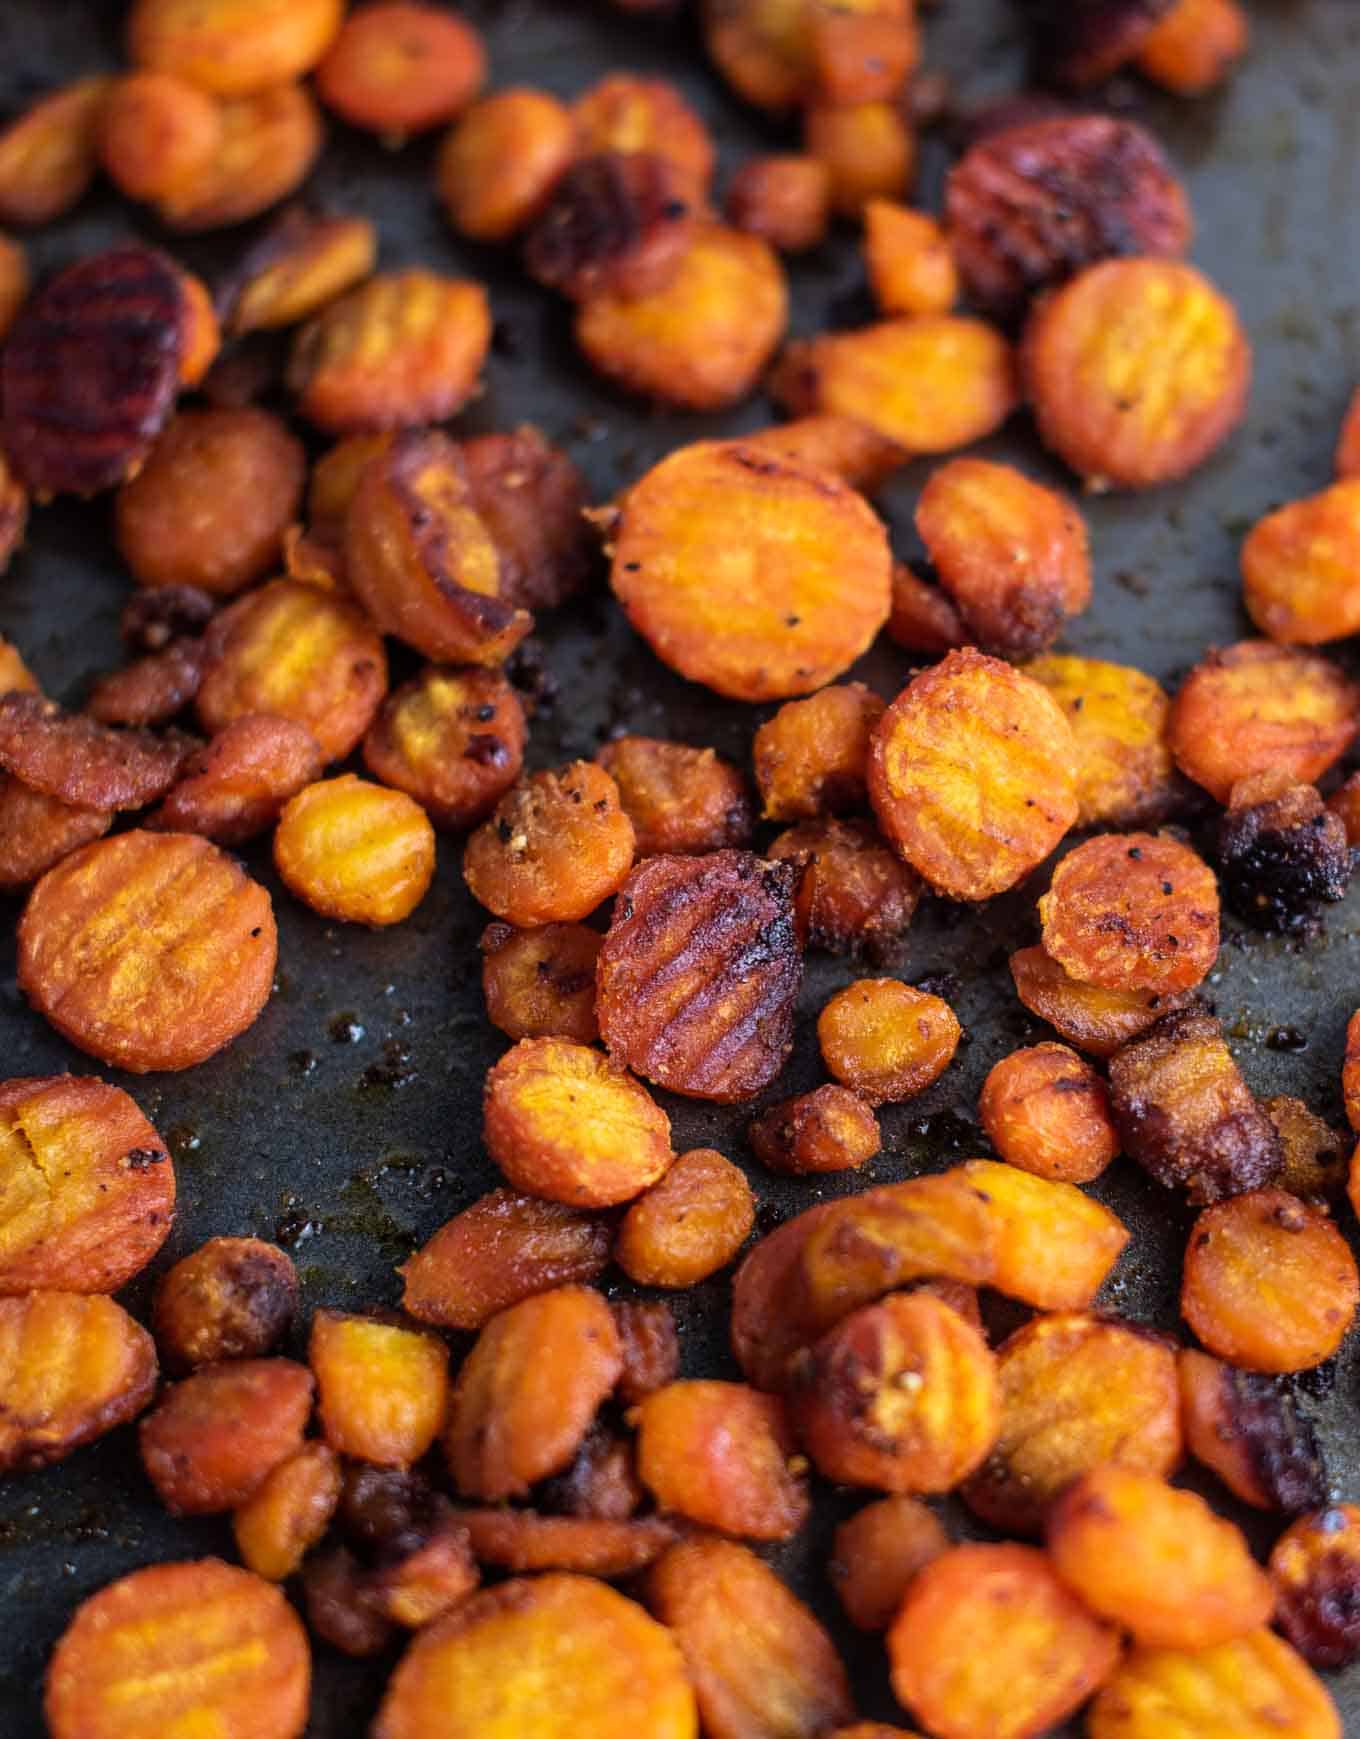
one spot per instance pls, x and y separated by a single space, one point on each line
344 1123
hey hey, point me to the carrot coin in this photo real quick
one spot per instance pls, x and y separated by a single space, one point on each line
157 131
1193 46
1118 715
269 142
149 950
181 1648
885 1039
398 67
1254 1688
1298 568
232 1298
237 786
786 200
755 575
502 160
300 264
210 1442
355 851
232 47
721 1455
971 775
1092 1019
49 154
630 114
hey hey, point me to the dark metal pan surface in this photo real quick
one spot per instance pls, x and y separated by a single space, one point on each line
346 1121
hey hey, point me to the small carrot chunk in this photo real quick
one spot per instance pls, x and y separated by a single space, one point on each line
210 1441
617 223
210 505
230 1655
784 199
699 973
292 650
1076 1391
862 54
877 1553
689 1225
1055 1246
990 1643
971 775
382 1390
565 1123
720 1454
72 1367
38 831
1137 371
931 383
1095 1020
269 143
87 1186
1156 1561
1048 1112
885 1040
524 1540
186 957
1247 1428
840 445
812 757
547 1657
155 132
502 1249
528 1391
623 112
1269 1282
299 265
1192 47
910 261
540 983
678 798
398 67
1253 1688
777 1671
1298 568
1315 1570
438 1574
556 845
289 1513
401 350
232 1298
151 690
702 342
924 617
1185 1113
901 1396
793 564
855 894
355 851
231 47
68 755
238 785
1118 717
49 152
1013 555
828 1129
867 148
498 166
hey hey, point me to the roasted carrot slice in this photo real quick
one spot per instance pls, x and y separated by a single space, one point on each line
1253 1688
721 1454
232 1298
382 1390
211 1441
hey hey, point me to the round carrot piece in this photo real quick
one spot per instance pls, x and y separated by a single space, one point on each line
910 260
1253 1688
855 894
1054 1245
565 1123
236 787
989 1641
877 1553
1132 911
1118 716
626 113
210 505
232 1298
840 445
795 564
971 775
901 1396
1247 1428
868 150
1076 1391
886 1040
929 384
617 223
1048 1112
720 1454
1137 371
1013 555
557 844
382 1387
229 1654
528 1391
87 1186
1095 1020
1269 1282
551 1657
702 342
699 973
1298 567
678 798
290 1512
1315 1569
49 153
148 950
402 350
398 67
785 200
157 132
355 851
498 166
828 1129
812 757
293 650
540 983
210 1441
689 1224
1156 1561
72 1367
270 140
232 47
1192 47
